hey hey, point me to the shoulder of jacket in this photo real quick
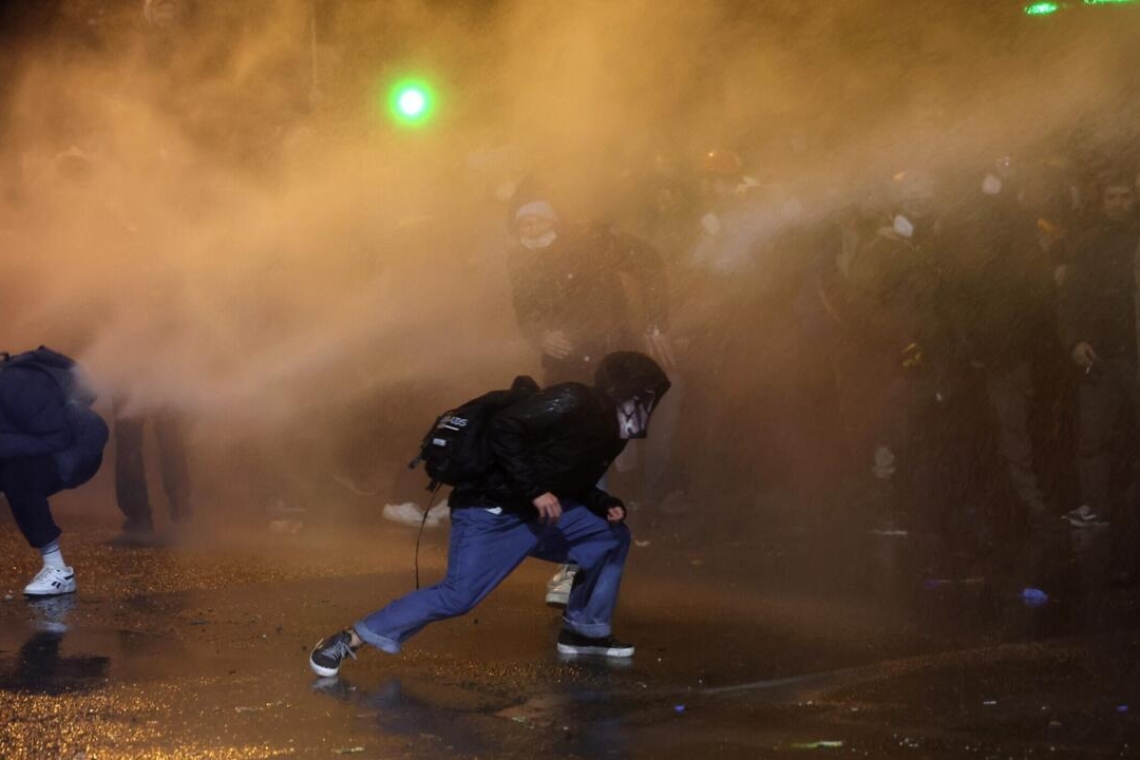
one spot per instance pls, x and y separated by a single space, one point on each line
576 393
24 386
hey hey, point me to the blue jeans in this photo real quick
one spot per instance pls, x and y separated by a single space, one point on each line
485 549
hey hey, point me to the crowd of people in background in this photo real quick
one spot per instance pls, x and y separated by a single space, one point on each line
945 353
955 355
951 355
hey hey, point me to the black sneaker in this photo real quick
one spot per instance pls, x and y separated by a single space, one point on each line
330 652
606 646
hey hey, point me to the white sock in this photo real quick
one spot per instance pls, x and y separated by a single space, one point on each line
53 557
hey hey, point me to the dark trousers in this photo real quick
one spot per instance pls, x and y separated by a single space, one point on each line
130 469
27 482
1109 391
1010 392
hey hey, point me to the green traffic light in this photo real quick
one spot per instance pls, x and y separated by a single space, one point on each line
410 102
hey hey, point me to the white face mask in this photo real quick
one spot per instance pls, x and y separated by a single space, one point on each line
633 418
542 241
903 226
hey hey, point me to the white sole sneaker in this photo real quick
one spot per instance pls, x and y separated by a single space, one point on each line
51 581
557 597
322 671
408 514
620 651
558 588
597 651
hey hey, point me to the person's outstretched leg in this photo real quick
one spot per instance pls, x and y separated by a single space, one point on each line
485 548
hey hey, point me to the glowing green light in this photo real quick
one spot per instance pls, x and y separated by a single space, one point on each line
1041 9
410 102
1108 2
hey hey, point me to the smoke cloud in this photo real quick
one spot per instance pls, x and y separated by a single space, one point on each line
207 204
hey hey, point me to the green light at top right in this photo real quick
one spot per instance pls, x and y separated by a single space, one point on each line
1048 8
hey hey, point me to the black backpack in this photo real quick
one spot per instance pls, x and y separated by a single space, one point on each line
455 449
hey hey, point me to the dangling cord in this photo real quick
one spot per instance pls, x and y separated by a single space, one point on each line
431 503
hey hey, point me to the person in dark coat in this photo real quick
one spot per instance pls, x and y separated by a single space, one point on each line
1000 284
568 295
1098 318
50 440
539 499
895 304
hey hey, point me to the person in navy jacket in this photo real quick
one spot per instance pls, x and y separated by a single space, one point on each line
50 440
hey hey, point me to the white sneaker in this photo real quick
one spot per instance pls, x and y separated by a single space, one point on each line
409 514
52 581
1085 516
558 587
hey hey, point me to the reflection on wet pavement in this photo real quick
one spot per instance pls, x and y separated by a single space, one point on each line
878 643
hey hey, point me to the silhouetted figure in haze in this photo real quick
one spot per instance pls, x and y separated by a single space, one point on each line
568 295
1001 289
896 299
734 329
1099 329
131 493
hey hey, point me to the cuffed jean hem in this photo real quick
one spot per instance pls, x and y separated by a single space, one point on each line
593 630
376 640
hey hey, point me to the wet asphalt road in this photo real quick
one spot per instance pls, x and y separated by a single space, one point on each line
800 642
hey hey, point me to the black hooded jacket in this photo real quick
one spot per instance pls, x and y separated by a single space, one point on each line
561 439
1099 303
999 284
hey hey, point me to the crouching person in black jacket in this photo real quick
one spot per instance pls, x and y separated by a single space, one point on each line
50 440
539 499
